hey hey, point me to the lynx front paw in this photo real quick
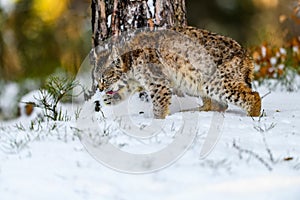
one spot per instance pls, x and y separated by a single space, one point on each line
111 99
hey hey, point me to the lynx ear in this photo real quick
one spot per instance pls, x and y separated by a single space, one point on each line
115 58
115 53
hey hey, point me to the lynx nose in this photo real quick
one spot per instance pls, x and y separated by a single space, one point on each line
101 86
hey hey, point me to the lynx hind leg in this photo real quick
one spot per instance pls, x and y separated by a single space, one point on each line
161 99
242 96
209 104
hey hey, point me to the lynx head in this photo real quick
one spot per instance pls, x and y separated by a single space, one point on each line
109 70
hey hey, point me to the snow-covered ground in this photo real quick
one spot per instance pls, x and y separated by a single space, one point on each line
254 159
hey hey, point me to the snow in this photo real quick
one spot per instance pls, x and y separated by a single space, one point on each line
151 5
273 61
10 91
32 97
7 5
109 20
283 51
264 51
281 66
254 158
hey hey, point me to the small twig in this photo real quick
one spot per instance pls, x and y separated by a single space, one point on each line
268 149
98 109
263 131
263 114
265 95
20 127
266 129
255 155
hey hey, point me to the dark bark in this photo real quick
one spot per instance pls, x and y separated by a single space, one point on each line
111 17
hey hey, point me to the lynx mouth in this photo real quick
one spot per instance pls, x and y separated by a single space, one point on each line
114 90
111 92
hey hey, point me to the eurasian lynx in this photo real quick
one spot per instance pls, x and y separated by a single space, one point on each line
186 61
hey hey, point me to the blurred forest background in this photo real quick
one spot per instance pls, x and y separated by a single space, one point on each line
38 37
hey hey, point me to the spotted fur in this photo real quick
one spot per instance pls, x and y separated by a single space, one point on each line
186 61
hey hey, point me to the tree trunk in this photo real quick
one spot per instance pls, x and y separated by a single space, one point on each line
111 17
